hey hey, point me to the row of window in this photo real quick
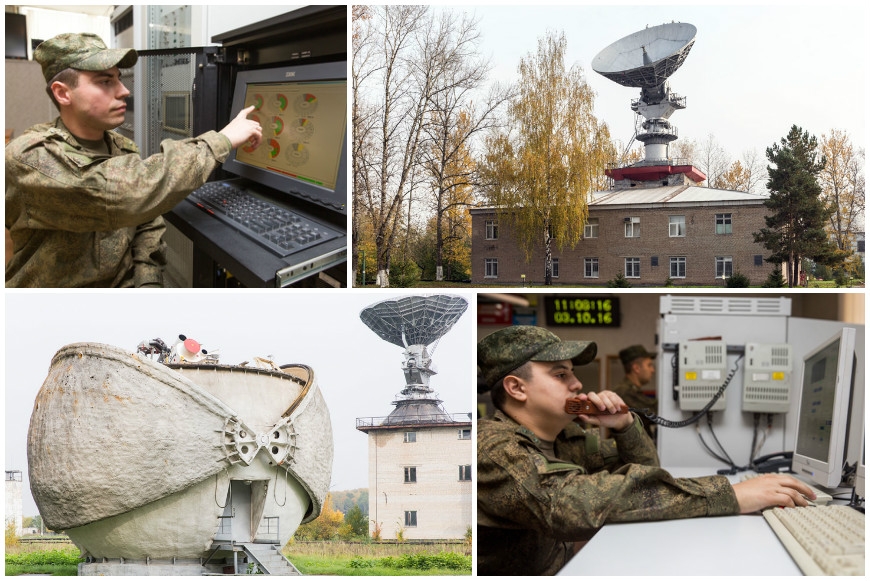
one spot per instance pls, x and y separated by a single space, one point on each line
411 474
676 227
723 266
411 437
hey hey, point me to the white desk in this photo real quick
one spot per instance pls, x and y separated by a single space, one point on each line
722 545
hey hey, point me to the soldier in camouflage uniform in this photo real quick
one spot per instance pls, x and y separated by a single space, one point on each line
639 371
82 207
545 484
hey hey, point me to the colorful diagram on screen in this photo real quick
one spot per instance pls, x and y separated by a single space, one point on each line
276 148
304 128
306 103
297 154
277 125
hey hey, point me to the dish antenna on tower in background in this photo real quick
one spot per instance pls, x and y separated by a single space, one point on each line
414 322
645 60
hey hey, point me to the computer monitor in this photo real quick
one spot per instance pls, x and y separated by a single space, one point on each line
303 112
823 417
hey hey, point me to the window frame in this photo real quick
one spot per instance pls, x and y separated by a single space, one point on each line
591 228
727 263
635 261
465 470
632 224
726 225
587 263
678 261
490 265
680 226
410 518
410 474
491 230
409 438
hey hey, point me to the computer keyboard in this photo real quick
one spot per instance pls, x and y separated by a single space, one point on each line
823 540
276 228
822 497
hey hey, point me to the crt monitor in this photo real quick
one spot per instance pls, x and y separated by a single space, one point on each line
823 417
303 112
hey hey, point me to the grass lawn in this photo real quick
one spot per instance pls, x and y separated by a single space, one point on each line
378 559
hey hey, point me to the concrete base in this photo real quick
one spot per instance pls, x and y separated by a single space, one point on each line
127 568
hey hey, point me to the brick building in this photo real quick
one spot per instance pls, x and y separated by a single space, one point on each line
692 235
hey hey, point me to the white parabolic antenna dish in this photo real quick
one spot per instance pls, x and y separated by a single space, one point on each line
646 58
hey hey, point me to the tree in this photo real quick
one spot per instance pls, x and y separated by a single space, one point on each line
539 171
413 75
795 226
736 177
324 527
842 181
357 522
712 159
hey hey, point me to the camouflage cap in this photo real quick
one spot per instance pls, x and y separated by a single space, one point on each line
507 349
80 51
629 354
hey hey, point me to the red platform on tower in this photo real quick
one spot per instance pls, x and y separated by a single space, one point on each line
651 173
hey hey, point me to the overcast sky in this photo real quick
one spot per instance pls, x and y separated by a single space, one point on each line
358 373
753 71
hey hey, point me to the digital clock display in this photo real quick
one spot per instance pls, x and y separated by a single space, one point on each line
581 311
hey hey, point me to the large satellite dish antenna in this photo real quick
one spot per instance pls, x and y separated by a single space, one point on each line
414 323
646 59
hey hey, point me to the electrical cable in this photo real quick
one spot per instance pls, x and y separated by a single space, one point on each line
718 443
655 418
706 446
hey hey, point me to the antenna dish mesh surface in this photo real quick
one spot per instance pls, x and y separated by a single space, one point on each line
646 58
414 320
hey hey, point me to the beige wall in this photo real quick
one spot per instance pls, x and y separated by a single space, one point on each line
442 502
26 101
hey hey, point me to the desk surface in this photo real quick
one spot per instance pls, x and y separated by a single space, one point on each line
722 545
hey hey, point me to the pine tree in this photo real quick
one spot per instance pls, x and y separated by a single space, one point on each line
797 215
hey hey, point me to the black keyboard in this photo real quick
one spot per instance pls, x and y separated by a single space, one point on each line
276 228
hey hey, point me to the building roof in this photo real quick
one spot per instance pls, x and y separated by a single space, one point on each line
678 194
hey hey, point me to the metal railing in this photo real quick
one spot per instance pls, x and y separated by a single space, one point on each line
371 422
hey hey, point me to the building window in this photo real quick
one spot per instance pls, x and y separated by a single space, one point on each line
410 518
555 267
632 227
590 268
465 473
677 226
464 433
590 230
653 260
410 437
758 260
491 268
632 268
723 223
678 267
723 267
491 230
410 474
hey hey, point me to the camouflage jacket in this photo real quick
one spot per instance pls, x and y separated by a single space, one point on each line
530 510
86 219
634 397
